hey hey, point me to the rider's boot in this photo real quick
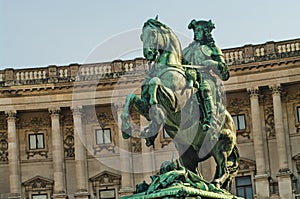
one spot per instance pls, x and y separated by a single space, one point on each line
210 113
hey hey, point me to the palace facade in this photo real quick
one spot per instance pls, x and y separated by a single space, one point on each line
60 127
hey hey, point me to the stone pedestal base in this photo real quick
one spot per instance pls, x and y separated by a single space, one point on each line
126 191
262 186
14 196
285 184
82 195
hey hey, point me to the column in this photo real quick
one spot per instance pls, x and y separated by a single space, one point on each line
57 155
284 175
147 154
125 156
261 177
80 155
13 156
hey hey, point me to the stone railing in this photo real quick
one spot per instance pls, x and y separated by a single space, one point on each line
71 73
118 68
261 52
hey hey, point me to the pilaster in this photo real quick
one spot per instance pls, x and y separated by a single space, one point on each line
125 156
57 154
80 155
13 156
261 178
284 175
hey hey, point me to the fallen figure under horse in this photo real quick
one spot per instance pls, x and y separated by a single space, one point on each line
169 101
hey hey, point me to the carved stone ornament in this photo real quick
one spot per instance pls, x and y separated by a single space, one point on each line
104 118
77 110
3 147
297 160
136 145
276 89
3 122
246 165
38 183
106 178
69 149
35 123
269 122
238 105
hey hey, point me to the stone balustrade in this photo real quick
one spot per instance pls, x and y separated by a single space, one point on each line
84 72
71 73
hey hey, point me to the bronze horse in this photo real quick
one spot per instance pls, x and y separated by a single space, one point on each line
169 103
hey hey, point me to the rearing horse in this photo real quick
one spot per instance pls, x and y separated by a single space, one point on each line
168 102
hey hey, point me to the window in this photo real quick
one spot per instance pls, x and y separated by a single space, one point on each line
36 141
239 122
244 187
298 114
103 136
40 196
107 194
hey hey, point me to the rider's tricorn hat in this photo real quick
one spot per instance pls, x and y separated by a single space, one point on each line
207 25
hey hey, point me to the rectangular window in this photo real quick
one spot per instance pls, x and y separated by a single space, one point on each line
107 194
298 114
36 141
244 187
103 136
239 121
40 196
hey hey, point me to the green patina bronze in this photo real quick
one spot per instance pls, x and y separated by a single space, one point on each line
182 95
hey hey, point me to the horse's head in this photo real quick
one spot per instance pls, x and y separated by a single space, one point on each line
158 39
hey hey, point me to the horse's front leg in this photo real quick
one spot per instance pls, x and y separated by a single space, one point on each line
132 101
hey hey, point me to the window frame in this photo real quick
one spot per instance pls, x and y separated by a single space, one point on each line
32 196
30 151
250 185
105 190
237 126
103 136
36 141
298 113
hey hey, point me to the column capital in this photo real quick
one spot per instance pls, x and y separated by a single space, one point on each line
77 110
11 115
276 89
54 112
118 106
253 92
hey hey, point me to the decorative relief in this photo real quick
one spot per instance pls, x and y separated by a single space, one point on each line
3 122
35 123
69 149
238 105
37 184
11 115
105 179
269 122
77 110
3 147
104 119
276 89
136 144
297 160
54 112
246 165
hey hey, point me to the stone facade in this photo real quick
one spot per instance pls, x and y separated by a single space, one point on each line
60 135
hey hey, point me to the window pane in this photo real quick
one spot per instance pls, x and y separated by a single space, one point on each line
107 194
240 192
242 124
242 181
40 141
107 137
249 194
99 136
32 142
235 122
39 196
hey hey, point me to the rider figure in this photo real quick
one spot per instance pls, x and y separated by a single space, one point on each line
203 52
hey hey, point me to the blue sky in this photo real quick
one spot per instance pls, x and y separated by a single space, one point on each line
37 33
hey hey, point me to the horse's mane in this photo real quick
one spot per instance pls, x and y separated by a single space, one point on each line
165 30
